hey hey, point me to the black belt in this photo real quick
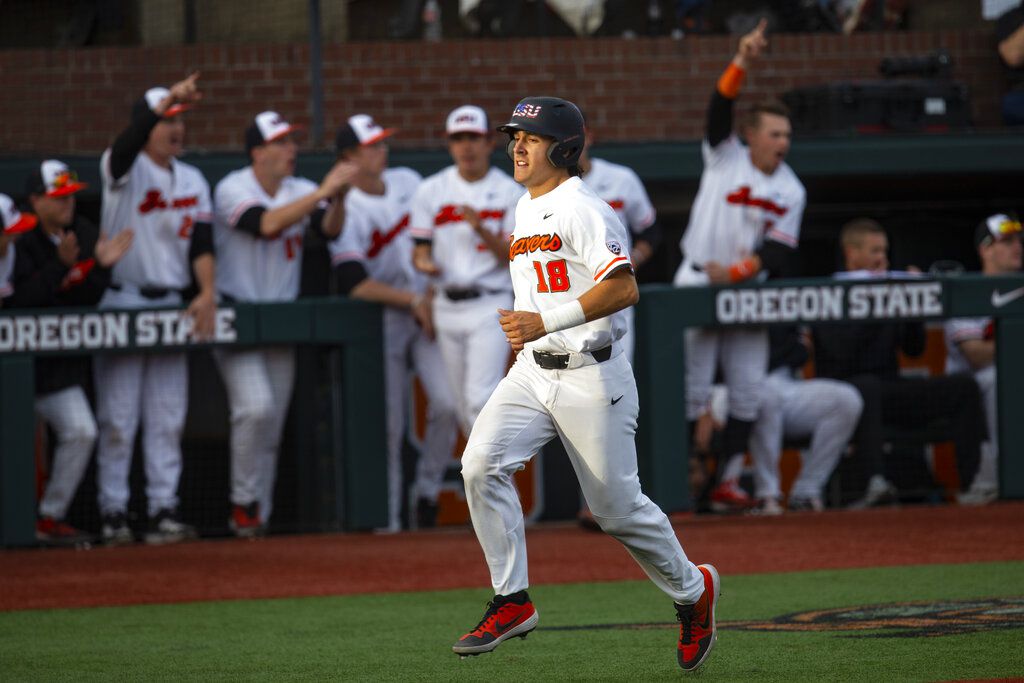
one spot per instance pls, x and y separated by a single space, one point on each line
560 361
461 294
147 292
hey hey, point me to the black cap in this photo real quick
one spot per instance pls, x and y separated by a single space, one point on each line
996 226
360 130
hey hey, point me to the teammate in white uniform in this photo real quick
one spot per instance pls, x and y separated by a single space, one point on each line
261 215
971 347
622 188
826 410
167 204
745 220
461 219
373 259
12 223
571 273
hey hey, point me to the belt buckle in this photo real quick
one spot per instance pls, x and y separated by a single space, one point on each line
551 361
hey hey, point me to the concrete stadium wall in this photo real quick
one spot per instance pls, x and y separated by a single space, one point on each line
62 102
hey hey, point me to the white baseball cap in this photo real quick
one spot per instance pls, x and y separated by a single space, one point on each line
152 98
54 179
14 221
360 130
467 119
267 127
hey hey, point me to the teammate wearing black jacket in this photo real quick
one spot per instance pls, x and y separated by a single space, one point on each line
64 262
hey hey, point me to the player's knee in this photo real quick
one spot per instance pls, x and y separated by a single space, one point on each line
478 463
253 411
82 431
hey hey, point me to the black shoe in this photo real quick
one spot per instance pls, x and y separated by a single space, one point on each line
426 514
165 527
115 530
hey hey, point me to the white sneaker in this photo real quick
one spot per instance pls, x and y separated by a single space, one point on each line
767 507
978 495
165 527
880 492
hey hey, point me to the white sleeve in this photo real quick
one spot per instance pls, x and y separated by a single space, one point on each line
639 211
421 213
350 245
723 153
602 251
204 211
786 230
231 199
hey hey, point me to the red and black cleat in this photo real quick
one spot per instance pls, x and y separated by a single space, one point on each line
697 629
511 616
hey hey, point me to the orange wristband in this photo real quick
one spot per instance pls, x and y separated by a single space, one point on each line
741 270
730 81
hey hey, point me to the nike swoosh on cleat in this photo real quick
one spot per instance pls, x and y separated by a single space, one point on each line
1001 299
506 626
616 400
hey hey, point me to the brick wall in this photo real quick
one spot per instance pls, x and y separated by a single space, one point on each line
70 102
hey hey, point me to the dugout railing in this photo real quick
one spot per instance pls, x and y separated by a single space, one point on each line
340 458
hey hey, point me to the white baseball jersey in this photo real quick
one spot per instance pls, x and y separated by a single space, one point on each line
960 330
738 207
464 259
161 205
375 232
620 186
565 242
251 268
6 271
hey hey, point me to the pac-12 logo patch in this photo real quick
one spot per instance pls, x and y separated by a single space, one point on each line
614 247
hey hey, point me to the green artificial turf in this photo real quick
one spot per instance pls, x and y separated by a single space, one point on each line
406 637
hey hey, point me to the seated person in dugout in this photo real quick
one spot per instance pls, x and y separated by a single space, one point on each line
867 356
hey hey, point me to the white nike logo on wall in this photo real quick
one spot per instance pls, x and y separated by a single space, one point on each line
1001 299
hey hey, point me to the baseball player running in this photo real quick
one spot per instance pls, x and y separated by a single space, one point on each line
262 212
167 205
571 274
623 190
65 262
745 221
461 219
373 258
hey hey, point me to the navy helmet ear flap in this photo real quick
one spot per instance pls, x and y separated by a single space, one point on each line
510 148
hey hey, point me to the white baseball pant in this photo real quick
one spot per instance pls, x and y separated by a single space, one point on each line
259 387
153 386
592 407
825 410
405 345
474 349
628 341
68 412
988 468
743 354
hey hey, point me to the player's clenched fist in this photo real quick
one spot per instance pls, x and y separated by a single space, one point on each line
521 327
339 178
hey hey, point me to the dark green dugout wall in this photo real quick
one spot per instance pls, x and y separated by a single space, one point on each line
354 489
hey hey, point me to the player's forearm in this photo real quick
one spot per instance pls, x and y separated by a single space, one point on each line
334 217
495 244
612 294
381 293
980 353
422 257
275 221
204 267
1011 49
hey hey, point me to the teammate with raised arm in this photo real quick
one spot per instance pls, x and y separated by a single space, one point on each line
167 205
262 213
744 224
571 273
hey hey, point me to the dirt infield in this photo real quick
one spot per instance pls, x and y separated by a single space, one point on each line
336 564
